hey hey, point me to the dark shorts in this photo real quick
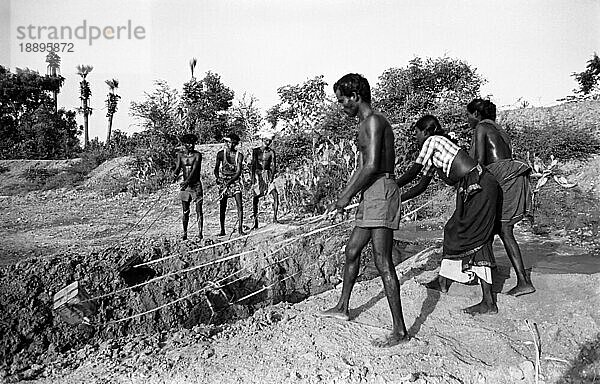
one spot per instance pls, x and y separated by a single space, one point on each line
380 205
193 193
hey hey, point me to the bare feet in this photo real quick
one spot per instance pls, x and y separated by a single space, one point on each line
336 314
390 340
222 233
521 289
184 237
481 309
241 233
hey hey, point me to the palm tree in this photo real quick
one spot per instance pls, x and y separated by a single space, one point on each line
86 92
53 70
193 63
111 105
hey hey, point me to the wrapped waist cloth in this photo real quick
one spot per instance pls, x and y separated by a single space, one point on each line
516 198
469 233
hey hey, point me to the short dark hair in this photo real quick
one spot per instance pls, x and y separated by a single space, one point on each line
233 137
189 138
431 125
486 108
351 83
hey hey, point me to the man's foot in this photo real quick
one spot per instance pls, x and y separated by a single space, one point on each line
481 309
439 284
275 221
241 232
255 225
222 233
390 340
200 237
184 237
521 289
336 314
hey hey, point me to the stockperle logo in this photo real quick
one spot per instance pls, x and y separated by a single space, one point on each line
83 31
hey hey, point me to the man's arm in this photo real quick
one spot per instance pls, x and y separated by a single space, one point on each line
218 164
253 165
177 168
371 158
417 189
480 138
409 175
273 166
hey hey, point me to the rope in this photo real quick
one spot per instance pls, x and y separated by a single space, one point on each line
205 288
201 248
265 288
226 258
145 214
213 284
168 275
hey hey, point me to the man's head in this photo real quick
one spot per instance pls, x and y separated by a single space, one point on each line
232 140
267 138
480 109
427 126
189 140
350 90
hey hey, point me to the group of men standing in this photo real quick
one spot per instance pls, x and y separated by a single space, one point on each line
228 174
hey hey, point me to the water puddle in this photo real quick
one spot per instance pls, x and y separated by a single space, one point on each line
547 255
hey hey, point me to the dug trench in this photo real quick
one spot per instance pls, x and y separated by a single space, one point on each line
273 267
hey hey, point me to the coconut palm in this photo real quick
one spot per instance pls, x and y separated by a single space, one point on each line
86 92
193 63
111 105
53 70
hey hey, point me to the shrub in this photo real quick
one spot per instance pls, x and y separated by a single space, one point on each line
561 140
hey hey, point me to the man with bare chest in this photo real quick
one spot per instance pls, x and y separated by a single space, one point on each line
228 169
492 148
190 162
378 213
263 168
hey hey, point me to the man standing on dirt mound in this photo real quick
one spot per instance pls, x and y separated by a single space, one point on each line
491 147
228 170
378 212
263 168
190 161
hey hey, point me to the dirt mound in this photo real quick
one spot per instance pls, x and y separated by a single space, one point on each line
111 172
17 174
583 113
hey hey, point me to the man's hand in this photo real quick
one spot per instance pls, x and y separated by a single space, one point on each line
342 202
337 208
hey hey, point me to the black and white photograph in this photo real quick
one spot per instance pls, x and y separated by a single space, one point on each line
263 191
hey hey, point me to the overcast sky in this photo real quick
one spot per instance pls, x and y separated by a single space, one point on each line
525 49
